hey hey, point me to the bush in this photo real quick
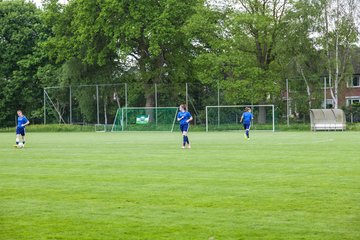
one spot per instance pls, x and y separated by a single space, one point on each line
54 128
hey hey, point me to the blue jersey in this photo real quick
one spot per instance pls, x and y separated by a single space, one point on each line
186 116
21 120
247 117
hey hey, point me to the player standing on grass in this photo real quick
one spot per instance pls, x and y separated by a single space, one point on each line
20 128
184 117
246 118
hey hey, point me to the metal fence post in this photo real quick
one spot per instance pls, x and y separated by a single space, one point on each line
44 106
126 95
70 97
287 103
218 101
325 101
156 104
97 104
187 95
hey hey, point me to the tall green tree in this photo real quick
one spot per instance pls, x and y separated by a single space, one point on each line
20 31
236 46
72 60
143 34
299 59
338 35
319 40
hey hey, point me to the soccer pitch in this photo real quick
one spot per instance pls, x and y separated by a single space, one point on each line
141 185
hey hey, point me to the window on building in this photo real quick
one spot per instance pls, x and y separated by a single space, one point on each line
329 103
355 82
352 100
327 81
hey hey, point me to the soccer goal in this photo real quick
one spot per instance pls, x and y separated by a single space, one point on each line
327 119
222 118
145 119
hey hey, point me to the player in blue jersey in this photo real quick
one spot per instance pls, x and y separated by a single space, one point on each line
22 121
184 117
245 119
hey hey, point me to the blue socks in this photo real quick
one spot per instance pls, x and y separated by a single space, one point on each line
247 133
185 140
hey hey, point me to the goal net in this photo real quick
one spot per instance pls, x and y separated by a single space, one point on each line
145 119
327 119
221 118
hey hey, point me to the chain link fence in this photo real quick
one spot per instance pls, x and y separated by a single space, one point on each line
98 103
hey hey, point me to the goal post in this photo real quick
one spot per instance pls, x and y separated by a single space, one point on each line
222 118
145 119
117 125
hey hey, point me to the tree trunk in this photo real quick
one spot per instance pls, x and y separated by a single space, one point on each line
150 102
262 115
116 96
336 83
328 53
308 89
105 111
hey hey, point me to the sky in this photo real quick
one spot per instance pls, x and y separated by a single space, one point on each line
216 2
38 2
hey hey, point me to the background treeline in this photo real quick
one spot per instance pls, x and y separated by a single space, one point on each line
248 46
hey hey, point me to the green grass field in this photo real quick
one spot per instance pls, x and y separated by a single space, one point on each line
143 186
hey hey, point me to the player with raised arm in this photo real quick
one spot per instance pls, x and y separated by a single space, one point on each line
245 119
184 117
22 121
